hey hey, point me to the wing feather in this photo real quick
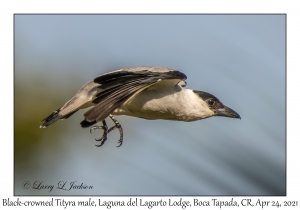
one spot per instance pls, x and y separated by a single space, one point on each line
118 86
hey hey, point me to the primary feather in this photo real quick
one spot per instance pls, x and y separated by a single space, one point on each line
109 91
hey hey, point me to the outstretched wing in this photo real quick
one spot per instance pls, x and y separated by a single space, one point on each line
118 86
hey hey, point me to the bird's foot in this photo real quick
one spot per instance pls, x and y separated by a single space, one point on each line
104 135
119 127
106 131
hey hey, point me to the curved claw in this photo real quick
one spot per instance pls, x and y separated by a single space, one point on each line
91 129
103 138
96 127
106 131
121 137
120 143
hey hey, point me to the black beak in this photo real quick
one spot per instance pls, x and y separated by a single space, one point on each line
227 112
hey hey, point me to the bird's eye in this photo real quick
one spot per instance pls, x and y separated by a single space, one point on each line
210 101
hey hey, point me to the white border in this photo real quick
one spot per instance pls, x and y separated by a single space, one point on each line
8 8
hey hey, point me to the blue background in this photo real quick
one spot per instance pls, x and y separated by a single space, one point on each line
238 58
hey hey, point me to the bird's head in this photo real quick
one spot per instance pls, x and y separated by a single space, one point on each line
215 105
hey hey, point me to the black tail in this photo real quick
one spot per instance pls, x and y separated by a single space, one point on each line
50 119
86 124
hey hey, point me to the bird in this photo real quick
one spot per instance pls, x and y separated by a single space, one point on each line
147 92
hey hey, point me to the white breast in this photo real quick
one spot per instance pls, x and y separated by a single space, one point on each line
165 102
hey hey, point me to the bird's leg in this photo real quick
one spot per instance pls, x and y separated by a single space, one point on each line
106 131
104 135
117 125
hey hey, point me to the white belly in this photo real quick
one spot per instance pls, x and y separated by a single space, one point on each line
173 103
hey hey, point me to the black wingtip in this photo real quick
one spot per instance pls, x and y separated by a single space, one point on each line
177 74
86 123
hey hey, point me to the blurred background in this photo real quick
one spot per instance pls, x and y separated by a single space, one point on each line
238 58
